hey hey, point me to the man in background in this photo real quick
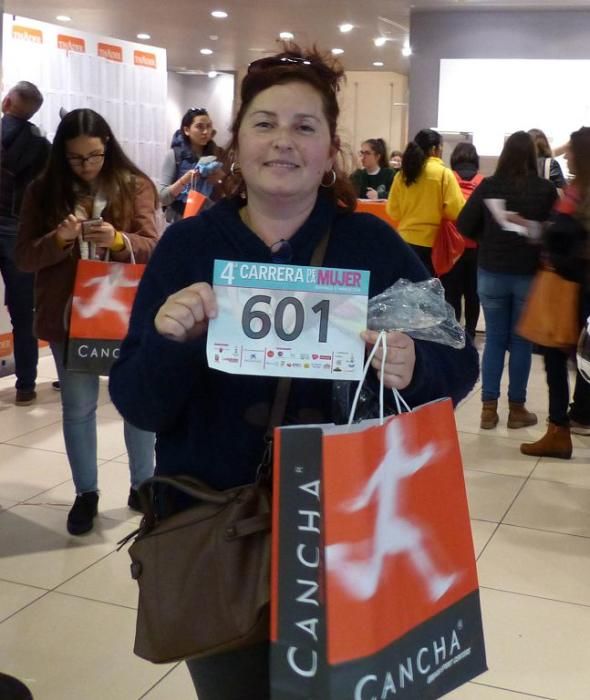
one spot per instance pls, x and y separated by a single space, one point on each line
24 153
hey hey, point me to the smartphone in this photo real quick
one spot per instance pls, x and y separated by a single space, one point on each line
89 224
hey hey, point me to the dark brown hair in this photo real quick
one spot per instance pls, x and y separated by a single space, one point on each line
323 73
57 183
380 149
580 150
518 159
464 152
417 152
541 143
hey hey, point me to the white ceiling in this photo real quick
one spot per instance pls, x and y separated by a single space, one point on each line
183 27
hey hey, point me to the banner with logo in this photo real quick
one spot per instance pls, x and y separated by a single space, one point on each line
104 293
124 81
374 585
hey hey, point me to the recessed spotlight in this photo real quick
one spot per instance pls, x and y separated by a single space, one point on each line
213 37
345 28
219 14
337 52
286 36
378 64
143 35
380 41
212 74
206 52
407 50
63 18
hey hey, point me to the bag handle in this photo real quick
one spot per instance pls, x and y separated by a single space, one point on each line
400 402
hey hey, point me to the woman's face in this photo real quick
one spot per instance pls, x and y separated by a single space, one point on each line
200 130
396 162
284 145
85 156
368 158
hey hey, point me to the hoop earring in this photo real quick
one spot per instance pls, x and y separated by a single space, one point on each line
331 184
235 168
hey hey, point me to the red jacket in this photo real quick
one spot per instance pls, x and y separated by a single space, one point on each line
467 187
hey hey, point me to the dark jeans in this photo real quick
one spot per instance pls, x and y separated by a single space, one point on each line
20 302
461 282
559 392
425 255
235 675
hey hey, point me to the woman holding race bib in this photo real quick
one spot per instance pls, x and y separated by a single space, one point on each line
288 192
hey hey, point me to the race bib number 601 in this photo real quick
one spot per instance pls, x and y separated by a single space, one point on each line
288 320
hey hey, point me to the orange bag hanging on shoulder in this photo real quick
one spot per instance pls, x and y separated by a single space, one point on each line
195 201
448 248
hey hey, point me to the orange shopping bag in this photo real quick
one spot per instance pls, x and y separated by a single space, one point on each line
195 200
103 296
374 588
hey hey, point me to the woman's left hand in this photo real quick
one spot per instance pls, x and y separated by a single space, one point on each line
400 360
102 235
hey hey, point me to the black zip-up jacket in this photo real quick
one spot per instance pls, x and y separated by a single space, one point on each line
506 251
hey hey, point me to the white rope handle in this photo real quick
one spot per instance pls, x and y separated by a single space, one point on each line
381 340
128 246
400 402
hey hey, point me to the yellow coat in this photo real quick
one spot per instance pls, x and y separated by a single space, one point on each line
417 210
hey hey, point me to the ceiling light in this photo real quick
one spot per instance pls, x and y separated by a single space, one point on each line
63 18
212 74
337 52
213 37
286 36
378 64
143 35
219 14
380 41
206 52
345 28
407 50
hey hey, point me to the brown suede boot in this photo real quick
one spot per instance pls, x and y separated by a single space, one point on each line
556 442
489 415
519 417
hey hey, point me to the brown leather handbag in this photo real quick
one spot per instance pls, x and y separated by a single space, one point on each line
551 316
203 573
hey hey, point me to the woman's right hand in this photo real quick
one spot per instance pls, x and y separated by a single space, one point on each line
185 314
188 177
69 229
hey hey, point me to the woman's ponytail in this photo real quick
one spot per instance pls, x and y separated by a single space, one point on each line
416 153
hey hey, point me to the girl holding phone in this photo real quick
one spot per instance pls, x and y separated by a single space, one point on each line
90 201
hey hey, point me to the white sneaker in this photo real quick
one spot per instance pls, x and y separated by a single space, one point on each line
579 428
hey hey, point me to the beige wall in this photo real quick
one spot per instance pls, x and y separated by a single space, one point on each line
374 105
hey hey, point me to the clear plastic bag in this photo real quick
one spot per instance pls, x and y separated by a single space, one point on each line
418 309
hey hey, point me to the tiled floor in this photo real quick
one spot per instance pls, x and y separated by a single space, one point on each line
67 604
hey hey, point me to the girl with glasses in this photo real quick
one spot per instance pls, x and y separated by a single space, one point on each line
288 185
373 179
88 176
192 143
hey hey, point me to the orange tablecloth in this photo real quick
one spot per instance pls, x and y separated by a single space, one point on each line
376 207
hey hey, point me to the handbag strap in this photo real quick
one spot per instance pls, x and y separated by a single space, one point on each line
279 406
